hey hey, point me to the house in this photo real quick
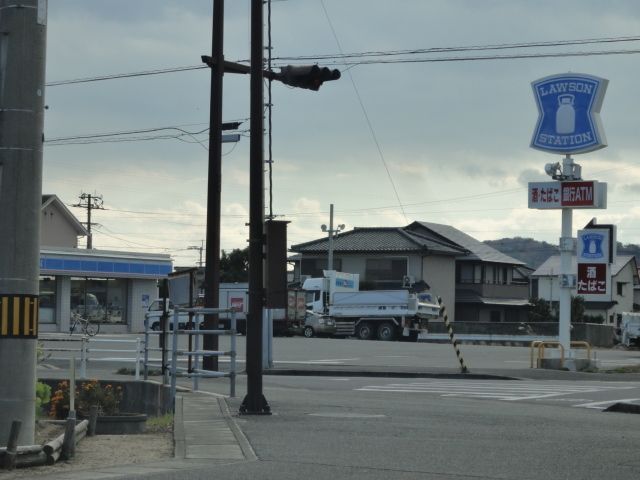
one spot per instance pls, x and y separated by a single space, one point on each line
108 287
624 280
490 286
475 281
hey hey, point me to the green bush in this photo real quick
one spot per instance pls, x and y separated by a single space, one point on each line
43 397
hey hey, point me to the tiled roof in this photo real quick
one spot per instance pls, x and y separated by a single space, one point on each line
479 250
378 239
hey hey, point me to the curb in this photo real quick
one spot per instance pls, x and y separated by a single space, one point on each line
383 374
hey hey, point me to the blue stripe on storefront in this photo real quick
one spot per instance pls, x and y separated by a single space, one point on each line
89 266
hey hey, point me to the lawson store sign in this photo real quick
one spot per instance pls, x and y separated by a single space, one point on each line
569 113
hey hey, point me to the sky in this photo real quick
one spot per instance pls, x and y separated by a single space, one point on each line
388 144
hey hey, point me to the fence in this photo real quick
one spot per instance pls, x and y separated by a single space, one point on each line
193 370
84 352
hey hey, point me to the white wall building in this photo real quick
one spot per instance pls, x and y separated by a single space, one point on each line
624 278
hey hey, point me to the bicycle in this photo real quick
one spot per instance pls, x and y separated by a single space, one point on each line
86 327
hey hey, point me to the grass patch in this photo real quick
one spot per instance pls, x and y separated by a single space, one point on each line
631 369
161 424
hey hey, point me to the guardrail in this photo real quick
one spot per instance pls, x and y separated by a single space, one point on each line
85 351
194 371
540 345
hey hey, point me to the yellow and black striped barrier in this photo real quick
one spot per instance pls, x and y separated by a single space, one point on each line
454 342
18 316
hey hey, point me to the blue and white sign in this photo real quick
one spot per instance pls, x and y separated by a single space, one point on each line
593 246
569 113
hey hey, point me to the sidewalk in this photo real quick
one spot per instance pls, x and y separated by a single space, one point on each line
204 429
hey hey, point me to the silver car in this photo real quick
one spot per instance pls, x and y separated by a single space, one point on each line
315 324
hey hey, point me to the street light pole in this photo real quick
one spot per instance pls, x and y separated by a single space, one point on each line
22 70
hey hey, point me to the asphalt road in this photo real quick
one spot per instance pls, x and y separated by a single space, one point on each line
544 424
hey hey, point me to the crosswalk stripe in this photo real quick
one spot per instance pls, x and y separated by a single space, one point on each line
497 390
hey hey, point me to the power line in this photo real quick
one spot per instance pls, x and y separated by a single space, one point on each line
467 48
408 52
366 116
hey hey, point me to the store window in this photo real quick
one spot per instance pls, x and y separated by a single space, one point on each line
99 299
47 301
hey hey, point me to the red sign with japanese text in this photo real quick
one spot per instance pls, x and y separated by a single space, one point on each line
549 195
592 279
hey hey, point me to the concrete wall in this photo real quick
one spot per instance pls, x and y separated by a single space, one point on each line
596 335
150 397
55 230
440 273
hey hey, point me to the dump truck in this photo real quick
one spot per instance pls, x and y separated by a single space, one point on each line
369 314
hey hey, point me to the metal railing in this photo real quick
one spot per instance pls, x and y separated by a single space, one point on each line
193 371
85 353
540 345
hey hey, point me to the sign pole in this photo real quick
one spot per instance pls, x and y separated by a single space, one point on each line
566 252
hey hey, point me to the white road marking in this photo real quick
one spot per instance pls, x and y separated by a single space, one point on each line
505 390
606 403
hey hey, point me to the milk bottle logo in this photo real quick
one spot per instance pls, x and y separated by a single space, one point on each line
565 115
592 246
569 108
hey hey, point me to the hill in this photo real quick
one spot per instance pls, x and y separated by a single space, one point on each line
534 253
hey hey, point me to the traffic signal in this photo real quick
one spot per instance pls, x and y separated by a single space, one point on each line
307 76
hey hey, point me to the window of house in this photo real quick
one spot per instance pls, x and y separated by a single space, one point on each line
385 272
314 266
468 273
99 299
620 288
47 299
489 276
535 288
494 316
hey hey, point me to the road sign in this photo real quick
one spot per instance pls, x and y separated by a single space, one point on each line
581 194
569 113
593 281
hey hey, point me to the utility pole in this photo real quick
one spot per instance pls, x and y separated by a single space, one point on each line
304 76
214 186
22 73
331 233
90 202
200 249
255 402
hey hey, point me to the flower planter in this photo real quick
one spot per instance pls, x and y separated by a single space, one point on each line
121 424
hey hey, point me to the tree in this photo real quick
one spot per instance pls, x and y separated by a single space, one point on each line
541 311
577 309
234 266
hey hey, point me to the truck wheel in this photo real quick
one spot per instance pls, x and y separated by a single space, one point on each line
364 331
386 331
308 332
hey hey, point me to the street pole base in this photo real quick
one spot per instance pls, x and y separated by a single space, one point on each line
255 406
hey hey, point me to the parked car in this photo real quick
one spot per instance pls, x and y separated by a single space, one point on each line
316 324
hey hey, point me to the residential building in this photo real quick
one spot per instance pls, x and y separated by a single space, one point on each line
108 287
624 282
490 286
475 281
